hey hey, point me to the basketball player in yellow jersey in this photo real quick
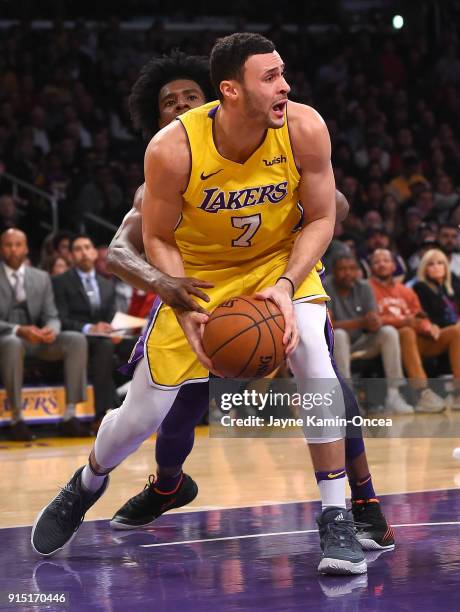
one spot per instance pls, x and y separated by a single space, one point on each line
220 202
227 216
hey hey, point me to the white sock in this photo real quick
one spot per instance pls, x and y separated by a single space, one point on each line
332 493
91 481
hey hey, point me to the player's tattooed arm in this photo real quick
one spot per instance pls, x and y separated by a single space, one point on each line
126 260
312 151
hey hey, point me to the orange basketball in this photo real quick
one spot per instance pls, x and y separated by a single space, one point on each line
244 337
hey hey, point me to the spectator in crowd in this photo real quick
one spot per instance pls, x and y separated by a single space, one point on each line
358 327
57 265
435 291
123 292
378 238
419 337
391 215
61 245
424 201
9 213
410 174
86 303
449 243
446 197
427 243
30 327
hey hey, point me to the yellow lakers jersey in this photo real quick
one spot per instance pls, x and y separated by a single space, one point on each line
235 212
237 228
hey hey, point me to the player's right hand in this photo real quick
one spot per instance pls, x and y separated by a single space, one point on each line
193 325
177 293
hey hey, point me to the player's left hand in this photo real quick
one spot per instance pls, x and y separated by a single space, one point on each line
282 298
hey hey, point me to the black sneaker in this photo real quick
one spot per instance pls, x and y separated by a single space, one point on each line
59 521
372 528
342 553
148 505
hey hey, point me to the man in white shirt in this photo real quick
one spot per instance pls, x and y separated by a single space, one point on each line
29 326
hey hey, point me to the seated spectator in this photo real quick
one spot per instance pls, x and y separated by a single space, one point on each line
399 306
372 219
410 174
86 303
434 289
357 327
9 213
57 265
123 292
29 326
446 197
424 201
378 238
391 215
426 244
449 243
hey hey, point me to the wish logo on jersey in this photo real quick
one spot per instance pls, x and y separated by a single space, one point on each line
215 199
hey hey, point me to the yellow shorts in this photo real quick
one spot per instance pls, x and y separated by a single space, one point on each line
170 357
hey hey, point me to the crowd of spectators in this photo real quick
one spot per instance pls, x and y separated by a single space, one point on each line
391 105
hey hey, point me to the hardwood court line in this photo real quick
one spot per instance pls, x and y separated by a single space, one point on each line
280 533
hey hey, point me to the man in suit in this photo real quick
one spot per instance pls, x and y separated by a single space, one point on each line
86 303
29 326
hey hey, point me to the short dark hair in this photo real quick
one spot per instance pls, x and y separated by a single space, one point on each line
143 101
343 257
59 237
448 225
79 237
230 53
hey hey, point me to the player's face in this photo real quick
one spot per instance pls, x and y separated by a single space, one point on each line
176 98
84 254
265 90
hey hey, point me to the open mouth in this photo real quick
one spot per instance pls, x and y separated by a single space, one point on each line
279 108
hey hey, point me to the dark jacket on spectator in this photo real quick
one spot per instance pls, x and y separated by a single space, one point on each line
73 303
438 305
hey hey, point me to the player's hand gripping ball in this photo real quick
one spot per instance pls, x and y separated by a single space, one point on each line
244 337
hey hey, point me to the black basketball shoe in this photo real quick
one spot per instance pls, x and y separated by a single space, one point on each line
372 528
59 521
342 553
148 505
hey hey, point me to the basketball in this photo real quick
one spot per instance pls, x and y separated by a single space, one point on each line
244 337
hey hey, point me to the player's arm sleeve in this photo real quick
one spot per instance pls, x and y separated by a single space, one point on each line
312 150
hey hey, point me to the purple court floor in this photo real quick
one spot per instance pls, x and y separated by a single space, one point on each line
255 558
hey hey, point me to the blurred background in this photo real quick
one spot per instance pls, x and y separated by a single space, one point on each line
384 74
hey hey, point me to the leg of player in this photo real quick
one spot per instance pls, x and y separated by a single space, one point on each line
171 488
342 552
122 431
373 530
